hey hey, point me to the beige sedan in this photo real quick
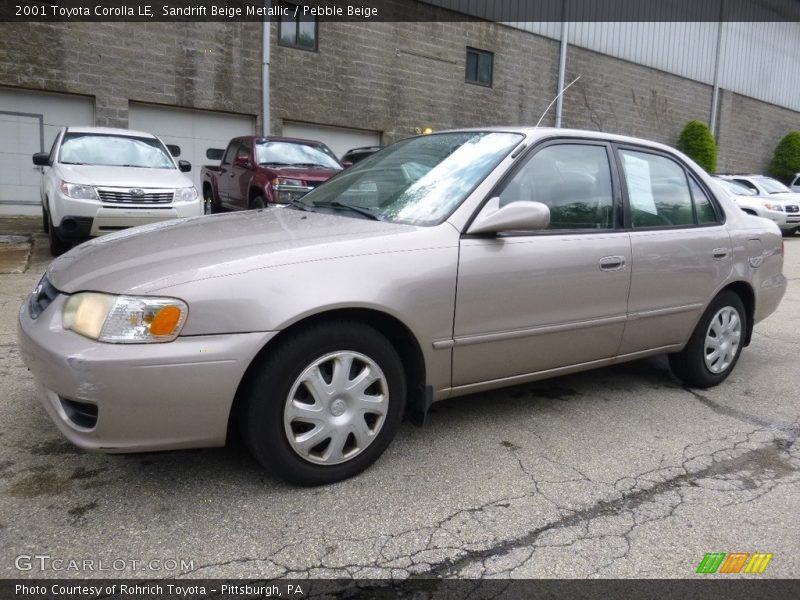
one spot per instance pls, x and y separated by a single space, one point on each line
443 265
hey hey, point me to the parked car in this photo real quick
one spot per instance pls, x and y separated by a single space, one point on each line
762 185
259 171
354 155
97 180
765 207
449 264
795 185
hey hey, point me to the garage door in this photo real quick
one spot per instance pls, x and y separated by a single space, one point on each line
29 122
338 139
195 131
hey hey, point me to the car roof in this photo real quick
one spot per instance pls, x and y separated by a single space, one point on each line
364 148
109 131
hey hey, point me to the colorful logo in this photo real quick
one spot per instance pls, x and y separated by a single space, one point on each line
720 562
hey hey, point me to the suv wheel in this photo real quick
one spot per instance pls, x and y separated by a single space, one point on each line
58 245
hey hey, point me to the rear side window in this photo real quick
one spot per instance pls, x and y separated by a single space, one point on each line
573 180
658 190
706 215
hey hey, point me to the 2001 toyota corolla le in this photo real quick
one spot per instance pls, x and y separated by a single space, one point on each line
442 265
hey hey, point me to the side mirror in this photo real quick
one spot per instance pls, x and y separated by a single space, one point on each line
174 150
185 166
41 159
242 161
523 215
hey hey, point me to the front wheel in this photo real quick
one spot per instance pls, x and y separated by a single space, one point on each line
325 404
789 232
258 202
58 245
715 345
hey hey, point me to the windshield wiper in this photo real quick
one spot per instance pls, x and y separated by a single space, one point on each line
362 210
299 204
321 166
275 164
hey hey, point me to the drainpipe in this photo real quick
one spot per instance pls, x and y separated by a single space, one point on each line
266 117
562 68
715 93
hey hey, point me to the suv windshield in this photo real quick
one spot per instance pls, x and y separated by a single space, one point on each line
418 181
114 151
295 154
773 186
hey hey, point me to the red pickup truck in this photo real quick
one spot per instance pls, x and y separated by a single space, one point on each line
259 171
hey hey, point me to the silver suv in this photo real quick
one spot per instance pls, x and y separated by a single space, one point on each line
761 185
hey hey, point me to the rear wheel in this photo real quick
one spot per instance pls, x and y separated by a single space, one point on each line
326 404
715 345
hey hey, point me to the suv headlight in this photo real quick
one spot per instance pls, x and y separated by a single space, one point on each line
772 206
124 319
185 194
78 191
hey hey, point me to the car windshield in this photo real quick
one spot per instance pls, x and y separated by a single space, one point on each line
418 181
114 151
296 154
737 188
773 186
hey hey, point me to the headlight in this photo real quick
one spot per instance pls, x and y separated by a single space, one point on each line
186 194
771 205
284 181
78 191
124 319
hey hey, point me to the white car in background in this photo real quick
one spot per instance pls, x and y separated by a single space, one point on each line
768 187
97 180
759 206
795 185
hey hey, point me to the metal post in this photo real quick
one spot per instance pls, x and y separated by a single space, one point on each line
562 68
265 55
715 93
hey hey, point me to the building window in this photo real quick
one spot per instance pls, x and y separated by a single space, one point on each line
480 65
298 32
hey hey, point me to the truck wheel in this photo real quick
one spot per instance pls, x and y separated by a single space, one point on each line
210 205
257 202
58 245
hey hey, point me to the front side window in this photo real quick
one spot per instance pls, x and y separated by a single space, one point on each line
230 154
736 188
298 32
114 151
573 180
296 154
419 181
480 67
748 185
658 191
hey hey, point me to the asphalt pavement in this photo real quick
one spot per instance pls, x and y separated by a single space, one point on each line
618 472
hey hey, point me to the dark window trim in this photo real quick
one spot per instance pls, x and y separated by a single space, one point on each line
478 51
526 156
297 31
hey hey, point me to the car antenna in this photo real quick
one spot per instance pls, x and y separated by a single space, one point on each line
564 89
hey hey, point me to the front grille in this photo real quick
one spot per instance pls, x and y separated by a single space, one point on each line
41 298
134 196
792 208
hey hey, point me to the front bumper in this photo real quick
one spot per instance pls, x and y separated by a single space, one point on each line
147 396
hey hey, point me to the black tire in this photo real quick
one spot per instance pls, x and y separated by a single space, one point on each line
210 204
58 245
265 395
789 232
689 365
45 220
258 202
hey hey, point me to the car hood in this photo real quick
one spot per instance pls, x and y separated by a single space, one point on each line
787 197
130 177
304 173
152 257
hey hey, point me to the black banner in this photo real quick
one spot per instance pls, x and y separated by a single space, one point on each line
715 586
400 10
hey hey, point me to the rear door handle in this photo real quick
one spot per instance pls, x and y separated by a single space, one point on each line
612 263
720 253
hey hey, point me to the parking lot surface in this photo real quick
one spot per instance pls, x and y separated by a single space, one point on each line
618 472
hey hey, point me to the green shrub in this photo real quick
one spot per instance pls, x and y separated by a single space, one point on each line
786 161
697 142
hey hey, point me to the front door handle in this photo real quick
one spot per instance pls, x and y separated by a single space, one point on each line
720 253
612 263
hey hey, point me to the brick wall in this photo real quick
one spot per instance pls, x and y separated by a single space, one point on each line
195 65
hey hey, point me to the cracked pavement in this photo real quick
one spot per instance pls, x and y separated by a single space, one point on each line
619 472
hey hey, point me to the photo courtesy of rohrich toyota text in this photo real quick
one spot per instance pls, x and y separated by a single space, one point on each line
399 298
